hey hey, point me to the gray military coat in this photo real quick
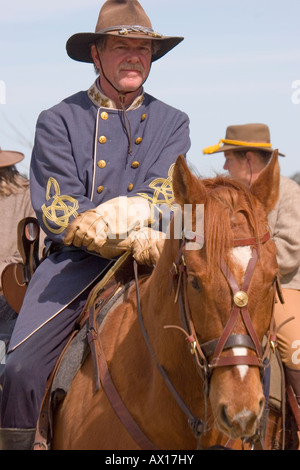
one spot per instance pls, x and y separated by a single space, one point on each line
81 159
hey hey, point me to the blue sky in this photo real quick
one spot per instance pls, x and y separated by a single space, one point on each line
238 64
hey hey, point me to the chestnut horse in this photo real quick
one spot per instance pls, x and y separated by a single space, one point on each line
187 362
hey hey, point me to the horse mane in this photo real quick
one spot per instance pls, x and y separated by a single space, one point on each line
225 197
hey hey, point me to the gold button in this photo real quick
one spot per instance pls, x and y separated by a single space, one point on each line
100 189
104 115
135 164
102 139
240 299
138 140
102 164
143 117
130 187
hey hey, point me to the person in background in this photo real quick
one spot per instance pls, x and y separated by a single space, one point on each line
247 150
106 151
15 204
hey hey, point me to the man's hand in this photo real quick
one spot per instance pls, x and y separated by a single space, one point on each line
114 219
87 227
145 244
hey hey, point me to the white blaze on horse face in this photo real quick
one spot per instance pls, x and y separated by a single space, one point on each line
242 369
242 256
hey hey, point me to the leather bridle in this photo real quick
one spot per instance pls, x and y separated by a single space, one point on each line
214 348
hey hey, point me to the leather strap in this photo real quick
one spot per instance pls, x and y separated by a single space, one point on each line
294 404
195 423
103 375
43 424
217 361
233 341
252 241
104 297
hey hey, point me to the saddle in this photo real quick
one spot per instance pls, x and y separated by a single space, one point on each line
111 290
16 276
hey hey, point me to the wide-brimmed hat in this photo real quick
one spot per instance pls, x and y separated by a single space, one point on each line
10 158
123 18
244 137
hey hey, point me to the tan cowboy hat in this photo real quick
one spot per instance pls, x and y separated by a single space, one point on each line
124 18
9 158
244 137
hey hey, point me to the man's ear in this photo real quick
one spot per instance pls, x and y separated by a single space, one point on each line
95 56
250 156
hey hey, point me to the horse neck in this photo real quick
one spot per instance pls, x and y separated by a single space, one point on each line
159 309
158 287
158 299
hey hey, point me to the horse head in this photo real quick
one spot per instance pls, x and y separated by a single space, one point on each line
226 282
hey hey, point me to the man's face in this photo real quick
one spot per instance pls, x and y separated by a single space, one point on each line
126 62
237 166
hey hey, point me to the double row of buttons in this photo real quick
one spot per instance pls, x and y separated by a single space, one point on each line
100 189
103 140
104 116
102 164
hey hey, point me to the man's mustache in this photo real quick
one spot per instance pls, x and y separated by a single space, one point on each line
129 66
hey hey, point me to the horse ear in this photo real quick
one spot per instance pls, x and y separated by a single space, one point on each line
184 182
266 186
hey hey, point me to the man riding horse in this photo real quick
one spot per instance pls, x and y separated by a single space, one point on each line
105 152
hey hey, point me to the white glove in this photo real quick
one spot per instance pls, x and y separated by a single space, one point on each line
145 244
114 219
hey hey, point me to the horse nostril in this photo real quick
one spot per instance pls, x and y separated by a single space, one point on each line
224 416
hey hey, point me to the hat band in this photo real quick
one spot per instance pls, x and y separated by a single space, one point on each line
126 29
215 148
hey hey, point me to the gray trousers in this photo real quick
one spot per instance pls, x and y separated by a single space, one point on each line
29 366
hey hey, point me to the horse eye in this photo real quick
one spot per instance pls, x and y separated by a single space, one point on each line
195 283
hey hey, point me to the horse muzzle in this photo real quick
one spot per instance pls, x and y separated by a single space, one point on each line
239 423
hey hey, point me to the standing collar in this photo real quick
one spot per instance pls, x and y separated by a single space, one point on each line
101 101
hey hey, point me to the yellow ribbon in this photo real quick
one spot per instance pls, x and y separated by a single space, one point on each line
215 148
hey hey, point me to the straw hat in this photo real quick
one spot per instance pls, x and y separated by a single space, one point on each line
9 158
123 18
244 137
